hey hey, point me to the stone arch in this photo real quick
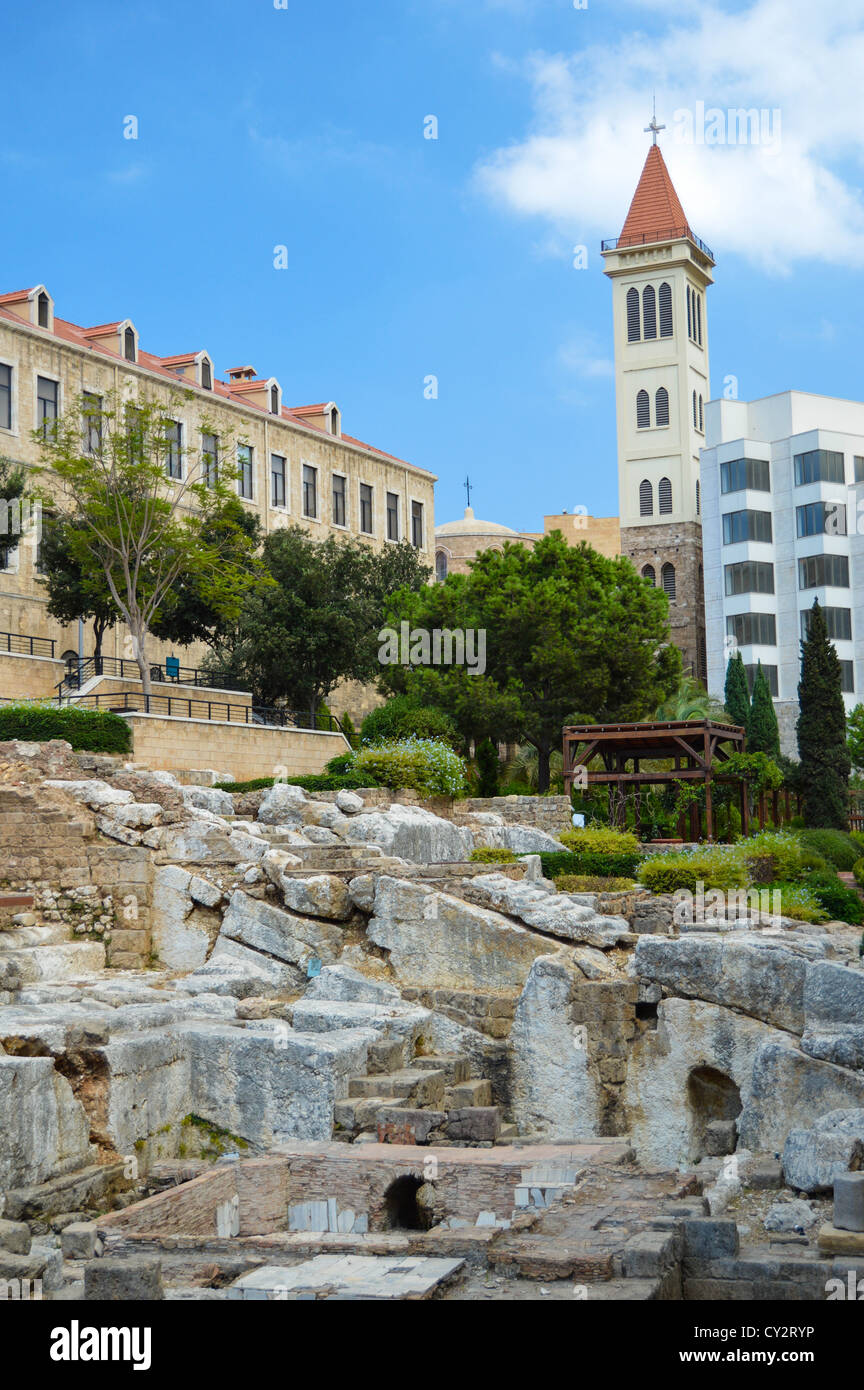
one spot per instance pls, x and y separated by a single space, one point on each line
714 1103
402 1210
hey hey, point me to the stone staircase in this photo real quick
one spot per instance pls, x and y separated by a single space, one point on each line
44 955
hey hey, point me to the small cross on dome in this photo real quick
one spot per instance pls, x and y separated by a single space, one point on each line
654 127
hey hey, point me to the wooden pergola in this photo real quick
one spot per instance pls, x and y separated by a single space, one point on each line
696 748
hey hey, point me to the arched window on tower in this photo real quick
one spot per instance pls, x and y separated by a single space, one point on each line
646 498
699 319
664 496
665 304
701 418
689 314
634 331
698 498
648 572
695 412
649 312
643 411
667 579
661 406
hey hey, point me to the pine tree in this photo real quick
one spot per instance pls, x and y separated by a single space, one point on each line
736 695
763 736
825 762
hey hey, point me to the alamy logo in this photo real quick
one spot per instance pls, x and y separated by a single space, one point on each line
77 1343
422 646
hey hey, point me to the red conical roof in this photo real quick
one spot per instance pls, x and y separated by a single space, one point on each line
655 213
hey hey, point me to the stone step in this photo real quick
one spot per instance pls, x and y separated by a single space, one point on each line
421 1087
14 938
385 1057
455 1066
508 1134
47 964
468 1093
352 1116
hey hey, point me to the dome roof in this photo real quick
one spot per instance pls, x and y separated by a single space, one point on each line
470 526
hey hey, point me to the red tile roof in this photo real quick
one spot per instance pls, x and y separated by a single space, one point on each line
655 213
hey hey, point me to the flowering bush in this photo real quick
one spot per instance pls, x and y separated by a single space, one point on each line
425 764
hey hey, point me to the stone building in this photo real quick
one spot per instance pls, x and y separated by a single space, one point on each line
296 465
457 543
660 272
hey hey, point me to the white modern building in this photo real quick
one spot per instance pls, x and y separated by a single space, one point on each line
781 482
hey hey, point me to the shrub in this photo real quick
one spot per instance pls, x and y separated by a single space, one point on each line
836 846
88 730
599 840
840 903
310 782
587 883
798 902
488 768
489 855
402 717
858 871
600 865
662 874
424 764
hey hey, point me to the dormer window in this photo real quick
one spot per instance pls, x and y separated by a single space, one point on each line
43 310
206 374
129 345
274 400
334 421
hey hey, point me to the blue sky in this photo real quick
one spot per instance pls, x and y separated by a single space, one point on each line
303 126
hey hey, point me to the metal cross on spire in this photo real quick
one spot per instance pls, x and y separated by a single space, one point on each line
653 128
468 490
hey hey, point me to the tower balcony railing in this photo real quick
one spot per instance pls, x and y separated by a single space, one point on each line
618 243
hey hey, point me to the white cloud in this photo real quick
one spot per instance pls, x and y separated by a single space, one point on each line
776 205
582 356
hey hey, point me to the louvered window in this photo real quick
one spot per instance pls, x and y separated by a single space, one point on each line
643 411
634 331
661 406
648 573
665 304
649 312
646 498
667 579
695 415
701 419
689 313
664 496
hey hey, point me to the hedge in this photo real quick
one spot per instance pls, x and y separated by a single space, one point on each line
490 855
311 782
594 865
587 883
834 845
87 730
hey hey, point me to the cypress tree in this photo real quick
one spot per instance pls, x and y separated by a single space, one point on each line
736 696
763 736
825 762
488 768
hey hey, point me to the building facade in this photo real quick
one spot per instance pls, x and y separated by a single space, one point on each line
296 465
782 480
457 543
660 272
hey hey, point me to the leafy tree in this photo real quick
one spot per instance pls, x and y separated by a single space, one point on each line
74 590
855 737
488 768
141 530
736 695
190 612
690 701
318 623
825 762
12 484
403 716
565 629
763 736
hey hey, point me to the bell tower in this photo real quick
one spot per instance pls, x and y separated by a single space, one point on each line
660 272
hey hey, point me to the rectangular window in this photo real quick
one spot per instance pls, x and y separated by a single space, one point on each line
750 628
5 397
136 430
209 459
847 676
339 511
750 577
392 516
816 570
819 466
770 673
244 464
746 526
741 473
92 423
310 491
859 468
174 438
838 623
821 519
366 509
417 525
47 396
277 481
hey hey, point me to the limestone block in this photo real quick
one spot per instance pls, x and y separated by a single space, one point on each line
44 1129
178 943
283 935
92 792
283 805
208 799
349 803
553 1091
787 1089
813 1157
412 833
757 976
130 1278
343 982
322 895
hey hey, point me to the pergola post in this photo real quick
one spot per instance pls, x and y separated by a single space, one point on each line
709 811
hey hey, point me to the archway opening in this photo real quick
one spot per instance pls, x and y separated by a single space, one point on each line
402 1210
715 1104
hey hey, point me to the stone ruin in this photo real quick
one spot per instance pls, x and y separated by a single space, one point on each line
281 1045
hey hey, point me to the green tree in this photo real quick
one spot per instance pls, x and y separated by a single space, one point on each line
488 768
12 484
855 737
131 523
318 623
763 736
736 696
74 590
690 701
565 629
825 763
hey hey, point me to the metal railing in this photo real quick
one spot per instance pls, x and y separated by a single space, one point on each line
615 243
215 711
20 645
81 669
